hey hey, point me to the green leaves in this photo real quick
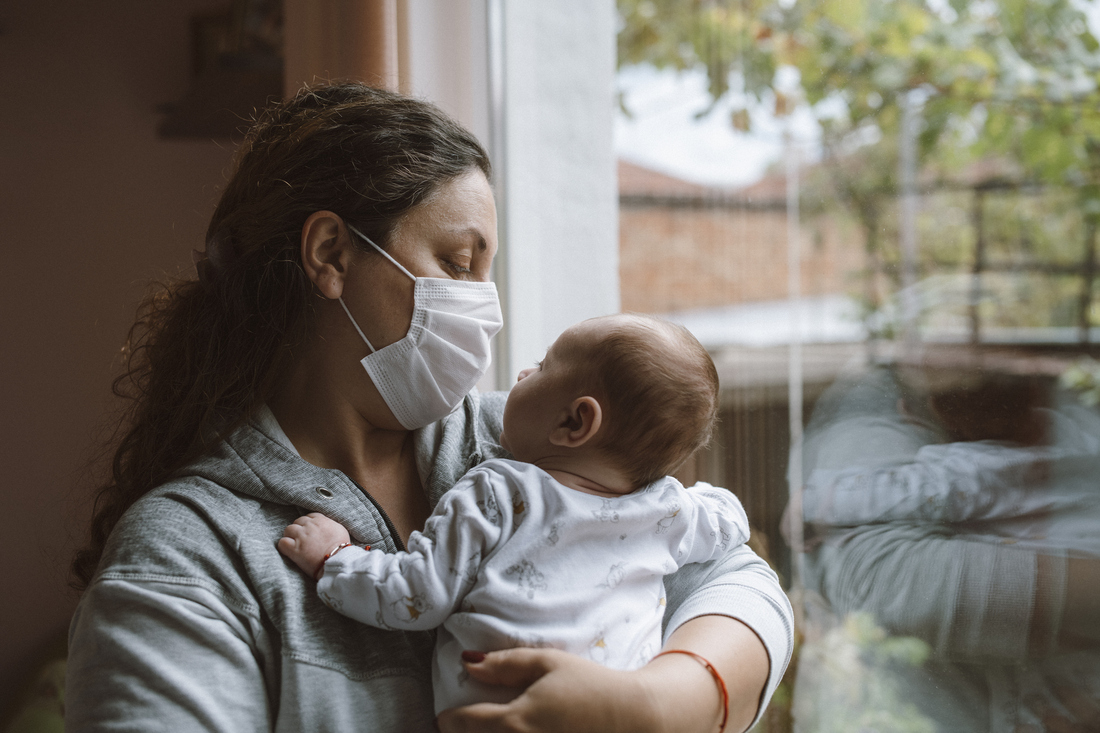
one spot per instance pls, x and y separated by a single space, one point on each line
1019 77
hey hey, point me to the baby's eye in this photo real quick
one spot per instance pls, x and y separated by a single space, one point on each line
538 365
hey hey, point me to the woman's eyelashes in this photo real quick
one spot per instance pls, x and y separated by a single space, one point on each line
460 268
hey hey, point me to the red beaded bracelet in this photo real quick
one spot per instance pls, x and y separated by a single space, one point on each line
717 678
321 568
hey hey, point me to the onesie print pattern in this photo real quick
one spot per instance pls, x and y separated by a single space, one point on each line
614 576
467 571
598 649
664 523
606 512
527 577
518 508
410 608
490 508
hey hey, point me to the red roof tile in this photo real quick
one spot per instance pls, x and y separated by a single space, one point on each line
636 180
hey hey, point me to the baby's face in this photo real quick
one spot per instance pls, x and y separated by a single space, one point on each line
541 397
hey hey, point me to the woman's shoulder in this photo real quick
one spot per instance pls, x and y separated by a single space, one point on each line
470 435
198 508
485 419
188 528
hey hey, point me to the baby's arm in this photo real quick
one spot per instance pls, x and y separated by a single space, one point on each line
716 523
311 540
417 589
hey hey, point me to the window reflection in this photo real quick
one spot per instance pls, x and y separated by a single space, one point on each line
943 507
945 477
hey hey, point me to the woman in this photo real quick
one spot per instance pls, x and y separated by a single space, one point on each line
264 389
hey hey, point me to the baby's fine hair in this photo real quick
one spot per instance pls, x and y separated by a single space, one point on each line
658 389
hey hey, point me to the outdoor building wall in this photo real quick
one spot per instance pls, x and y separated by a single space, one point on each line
675 257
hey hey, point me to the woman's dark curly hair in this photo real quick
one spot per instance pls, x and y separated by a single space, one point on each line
204 354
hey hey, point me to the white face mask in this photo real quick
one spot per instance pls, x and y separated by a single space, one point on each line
424 376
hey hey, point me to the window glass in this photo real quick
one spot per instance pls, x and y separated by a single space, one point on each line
880 217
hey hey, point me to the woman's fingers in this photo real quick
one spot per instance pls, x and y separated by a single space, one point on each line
514 667
507 668
564 694
485 717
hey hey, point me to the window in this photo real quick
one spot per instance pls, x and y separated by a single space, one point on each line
880 218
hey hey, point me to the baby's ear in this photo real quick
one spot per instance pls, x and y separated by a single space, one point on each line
578 424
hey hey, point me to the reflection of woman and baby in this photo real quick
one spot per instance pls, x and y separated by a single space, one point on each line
953 547
252 408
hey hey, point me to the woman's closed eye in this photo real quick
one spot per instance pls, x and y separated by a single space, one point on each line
458 268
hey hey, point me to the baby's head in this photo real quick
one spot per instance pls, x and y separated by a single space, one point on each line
630 390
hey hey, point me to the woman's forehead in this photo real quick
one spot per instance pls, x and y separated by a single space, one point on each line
462 208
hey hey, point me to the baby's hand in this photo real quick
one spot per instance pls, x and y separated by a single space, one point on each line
309 539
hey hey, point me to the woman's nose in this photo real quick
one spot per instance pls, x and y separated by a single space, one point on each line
524 374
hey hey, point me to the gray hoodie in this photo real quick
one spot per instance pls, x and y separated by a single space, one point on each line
194 620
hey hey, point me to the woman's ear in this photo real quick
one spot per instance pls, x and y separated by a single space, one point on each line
326 251
579 424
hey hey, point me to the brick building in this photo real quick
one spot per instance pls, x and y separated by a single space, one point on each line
684 246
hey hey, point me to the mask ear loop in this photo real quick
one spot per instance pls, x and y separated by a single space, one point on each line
363 335
381 251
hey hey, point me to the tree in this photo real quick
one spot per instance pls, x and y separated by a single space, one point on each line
1017 80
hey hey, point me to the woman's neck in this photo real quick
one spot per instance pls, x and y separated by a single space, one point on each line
313 408
329 432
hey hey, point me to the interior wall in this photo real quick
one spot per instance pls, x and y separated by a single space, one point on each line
447 48
94 206
560 229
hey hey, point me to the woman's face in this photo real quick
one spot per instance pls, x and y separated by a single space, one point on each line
451 235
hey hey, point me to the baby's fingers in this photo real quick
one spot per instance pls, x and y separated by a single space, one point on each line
312 518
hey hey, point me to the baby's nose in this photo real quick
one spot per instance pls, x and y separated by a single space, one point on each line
524 374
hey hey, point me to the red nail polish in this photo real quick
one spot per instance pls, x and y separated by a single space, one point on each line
473 657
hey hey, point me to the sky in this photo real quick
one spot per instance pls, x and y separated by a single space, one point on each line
662 131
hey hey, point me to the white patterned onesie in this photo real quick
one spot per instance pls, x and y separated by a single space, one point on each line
512 558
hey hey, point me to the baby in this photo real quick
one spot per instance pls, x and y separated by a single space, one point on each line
565 546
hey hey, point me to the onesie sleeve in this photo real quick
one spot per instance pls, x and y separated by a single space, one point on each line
716 522
420 588
954 482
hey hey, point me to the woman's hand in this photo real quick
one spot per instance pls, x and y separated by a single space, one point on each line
309 539
564 693
672 694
